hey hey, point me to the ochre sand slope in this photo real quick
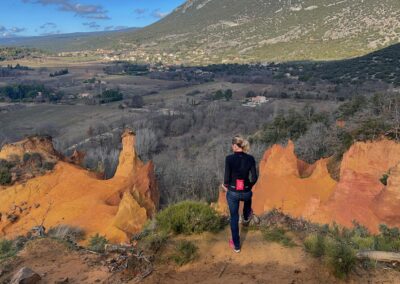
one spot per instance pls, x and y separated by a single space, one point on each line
70 195
356 196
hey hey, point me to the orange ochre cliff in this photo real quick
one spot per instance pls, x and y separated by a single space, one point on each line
309 191
71 195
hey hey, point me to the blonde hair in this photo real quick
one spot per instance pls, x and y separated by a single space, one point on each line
241 142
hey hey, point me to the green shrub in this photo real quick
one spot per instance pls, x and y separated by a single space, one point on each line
7 249
350 108
386 244
359 230
315 244
334 230
6 164
59 73
341 257
97 243
5 172
34 158
278 235
371 129
48 166
26 157
393 233
388 239
227 95
154 242
189 217
20 242
363 243
384 179
186 252
109 96
5 176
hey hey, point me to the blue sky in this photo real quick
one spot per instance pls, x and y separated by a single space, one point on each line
41 17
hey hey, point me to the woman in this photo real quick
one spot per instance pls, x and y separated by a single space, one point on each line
240 177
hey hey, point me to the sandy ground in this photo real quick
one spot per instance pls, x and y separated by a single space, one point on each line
54 262
258 262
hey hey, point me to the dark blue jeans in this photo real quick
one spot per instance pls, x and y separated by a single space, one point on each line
234 199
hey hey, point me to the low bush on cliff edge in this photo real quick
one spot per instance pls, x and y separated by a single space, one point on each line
189 217
384 179
338 246
5 177
278 235
315 244
154 242
5 173
341 257
185 252
334 245
97 243
7 249
338 254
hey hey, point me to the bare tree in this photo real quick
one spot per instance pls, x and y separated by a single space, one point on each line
314 144
147 142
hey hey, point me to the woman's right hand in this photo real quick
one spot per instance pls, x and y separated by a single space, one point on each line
224 188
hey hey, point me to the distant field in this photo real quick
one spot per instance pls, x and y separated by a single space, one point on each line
71 121
54 61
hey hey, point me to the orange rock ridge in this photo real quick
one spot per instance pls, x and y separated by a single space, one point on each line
282 184
359 195
308 191
70 195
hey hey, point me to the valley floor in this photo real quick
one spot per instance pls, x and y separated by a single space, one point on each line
258 262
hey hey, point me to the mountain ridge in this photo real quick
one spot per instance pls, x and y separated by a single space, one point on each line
218 30
65 42
231 31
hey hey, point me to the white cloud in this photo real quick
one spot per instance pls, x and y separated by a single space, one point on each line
48 25
10 32
86 11
92 25
158 14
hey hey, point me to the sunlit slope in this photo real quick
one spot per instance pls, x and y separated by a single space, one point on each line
258 30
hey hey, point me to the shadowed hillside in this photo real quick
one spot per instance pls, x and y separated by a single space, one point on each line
380 65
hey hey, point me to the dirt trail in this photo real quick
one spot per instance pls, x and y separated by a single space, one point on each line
258 262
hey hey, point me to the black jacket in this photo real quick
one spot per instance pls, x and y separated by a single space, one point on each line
240 166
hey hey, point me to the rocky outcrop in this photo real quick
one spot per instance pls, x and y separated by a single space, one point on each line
77 157
291 185
25 276
71 195
387 203
35 144
308 191
357 192
29 158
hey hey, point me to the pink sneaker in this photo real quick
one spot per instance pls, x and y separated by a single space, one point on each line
232 245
